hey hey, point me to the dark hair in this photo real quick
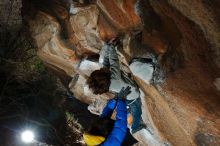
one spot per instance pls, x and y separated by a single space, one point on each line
101 127
99 81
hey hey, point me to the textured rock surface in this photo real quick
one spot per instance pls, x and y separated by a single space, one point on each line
10 14
184 109
205 14
85 28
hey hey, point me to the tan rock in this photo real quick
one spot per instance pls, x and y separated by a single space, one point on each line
84 24
185 107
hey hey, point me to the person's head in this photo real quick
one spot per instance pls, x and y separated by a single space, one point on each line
99 81
98 131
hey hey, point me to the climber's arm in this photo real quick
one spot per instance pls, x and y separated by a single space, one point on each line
105 50
108 109
114 64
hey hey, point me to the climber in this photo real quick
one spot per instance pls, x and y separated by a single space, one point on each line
105 131
111 78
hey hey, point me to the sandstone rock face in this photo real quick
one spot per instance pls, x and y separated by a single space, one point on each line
206 15
85 28
45 31
184 109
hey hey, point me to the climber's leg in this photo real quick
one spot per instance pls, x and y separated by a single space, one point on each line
138 129
135 111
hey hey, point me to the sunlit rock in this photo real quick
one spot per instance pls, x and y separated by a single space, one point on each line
84 24
45 31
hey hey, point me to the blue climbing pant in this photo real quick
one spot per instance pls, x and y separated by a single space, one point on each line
134 108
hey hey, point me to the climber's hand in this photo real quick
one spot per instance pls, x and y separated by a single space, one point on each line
115 41
124 92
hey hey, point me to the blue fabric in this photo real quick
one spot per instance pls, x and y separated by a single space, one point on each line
119 130
135 110
120 124
108 109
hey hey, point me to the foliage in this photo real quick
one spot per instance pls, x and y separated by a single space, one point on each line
30 96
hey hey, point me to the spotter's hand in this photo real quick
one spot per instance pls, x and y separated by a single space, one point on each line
124 92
